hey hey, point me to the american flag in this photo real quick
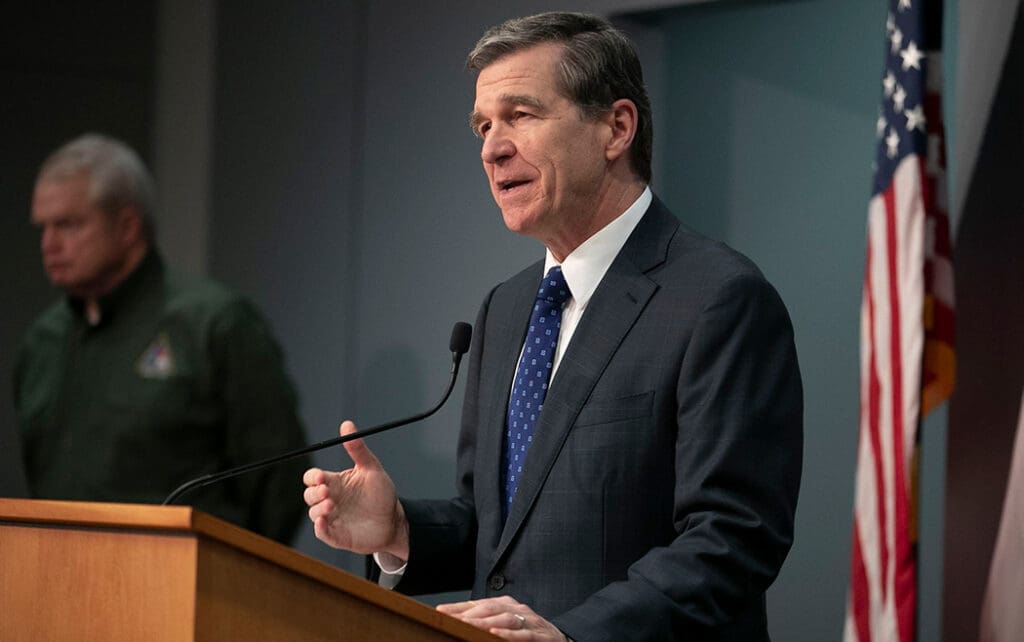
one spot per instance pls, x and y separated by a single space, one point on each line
907 360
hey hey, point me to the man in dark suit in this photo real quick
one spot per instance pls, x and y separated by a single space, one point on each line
631 439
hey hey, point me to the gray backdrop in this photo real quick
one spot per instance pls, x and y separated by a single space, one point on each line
344 194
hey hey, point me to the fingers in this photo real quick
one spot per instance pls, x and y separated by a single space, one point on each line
314 477
495 612
360 453
504 617
321 507
315 494
454 608
490 604
482 615
320 528
317 489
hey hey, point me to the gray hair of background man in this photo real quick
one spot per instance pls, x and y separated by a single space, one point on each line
599 66
117 176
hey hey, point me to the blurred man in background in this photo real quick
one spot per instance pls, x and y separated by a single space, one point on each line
142 378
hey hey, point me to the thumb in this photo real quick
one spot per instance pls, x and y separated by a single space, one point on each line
360 453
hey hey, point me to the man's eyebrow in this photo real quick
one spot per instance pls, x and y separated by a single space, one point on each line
521 99
507 100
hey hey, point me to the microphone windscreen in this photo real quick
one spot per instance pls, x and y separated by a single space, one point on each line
462 332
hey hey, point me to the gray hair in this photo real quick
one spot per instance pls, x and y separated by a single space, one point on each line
117 176
599 66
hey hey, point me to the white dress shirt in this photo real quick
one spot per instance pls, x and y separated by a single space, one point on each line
583 270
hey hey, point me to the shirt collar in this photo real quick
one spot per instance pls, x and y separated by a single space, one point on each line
149 269
586 265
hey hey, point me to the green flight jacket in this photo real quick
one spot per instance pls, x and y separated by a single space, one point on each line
179 378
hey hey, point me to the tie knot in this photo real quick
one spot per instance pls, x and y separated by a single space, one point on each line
553 288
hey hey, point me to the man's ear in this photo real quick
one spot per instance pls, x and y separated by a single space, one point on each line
622 118
129 225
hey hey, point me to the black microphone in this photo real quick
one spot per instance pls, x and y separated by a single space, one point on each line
459 345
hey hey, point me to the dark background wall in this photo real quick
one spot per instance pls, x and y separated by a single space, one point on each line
990 350
85 67
344 195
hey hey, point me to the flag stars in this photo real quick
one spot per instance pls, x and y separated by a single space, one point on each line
915 118
904 5
889 84
896 39
880 126
892 143
911 57
898 99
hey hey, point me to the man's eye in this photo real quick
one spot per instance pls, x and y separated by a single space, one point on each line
482 130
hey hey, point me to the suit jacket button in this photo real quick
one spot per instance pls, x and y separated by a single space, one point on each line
497 582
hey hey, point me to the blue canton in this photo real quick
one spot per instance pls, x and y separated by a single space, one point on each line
532 377
901 128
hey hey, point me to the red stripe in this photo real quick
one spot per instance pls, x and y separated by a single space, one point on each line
904 587
861 600
875 429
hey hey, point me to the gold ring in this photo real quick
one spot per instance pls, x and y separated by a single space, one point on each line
522 620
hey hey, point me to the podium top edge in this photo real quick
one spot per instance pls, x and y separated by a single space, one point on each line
96 514
185 520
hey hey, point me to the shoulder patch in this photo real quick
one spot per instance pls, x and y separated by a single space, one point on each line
157 360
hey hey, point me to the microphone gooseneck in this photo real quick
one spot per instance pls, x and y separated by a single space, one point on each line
459 345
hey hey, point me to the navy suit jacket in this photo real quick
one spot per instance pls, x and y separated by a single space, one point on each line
658 496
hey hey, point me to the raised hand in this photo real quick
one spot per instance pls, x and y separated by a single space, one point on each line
357 509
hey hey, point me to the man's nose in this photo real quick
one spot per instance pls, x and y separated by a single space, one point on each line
497 145
48 240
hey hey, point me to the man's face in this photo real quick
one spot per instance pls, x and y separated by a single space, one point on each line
83 247
546 164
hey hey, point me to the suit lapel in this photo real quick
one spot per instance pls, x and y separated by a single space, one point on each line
617 303
507 322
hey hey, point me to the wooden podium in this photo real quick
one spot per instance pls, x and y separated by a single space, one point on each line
109 572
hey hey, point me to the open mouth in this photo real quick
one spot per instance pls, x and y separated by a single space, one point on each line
506 186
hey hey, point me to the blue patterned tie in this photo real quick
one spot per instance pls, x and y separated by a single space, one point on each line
532 377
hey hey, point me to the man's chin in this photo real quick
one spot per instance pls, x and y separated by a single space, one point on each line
517 220
58 279
63 282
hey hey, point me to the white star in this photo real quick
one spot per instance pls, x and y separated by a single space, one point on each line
892 141
912 56
904 5
880 126
889 84
896 38
890 23
915 118
898 99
